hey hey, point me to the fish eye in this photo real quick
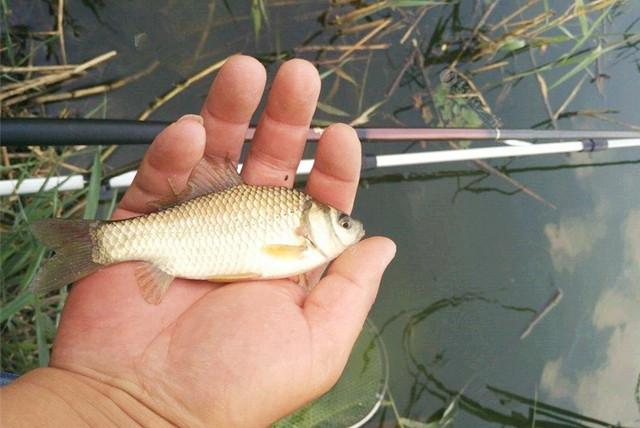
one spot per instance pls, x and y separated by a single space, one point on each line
344 221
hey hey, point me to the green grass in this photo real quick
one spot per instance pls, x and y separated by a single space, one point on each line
259 17
29 321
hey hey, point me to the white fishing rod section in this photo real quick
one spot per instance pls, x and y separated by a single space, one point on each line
513 148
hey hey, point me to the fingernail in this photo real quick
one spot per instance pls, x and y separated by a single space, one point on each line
195 117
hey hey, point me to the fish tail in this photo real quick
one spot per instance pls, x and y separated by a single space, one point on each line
72 242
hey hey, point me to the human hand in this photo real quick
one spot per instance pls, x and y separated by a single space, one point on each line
243 354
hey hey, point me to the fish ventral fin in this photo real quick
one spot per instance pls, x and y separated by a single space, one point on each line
210 175
284 252
234 278
153 282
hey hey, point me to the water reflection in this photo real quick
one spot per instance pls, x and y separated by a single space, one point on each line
574 238
495 405
608 386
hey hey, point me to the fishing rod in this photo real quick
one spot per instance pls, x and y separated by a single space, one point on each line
91 132
25 132
369 162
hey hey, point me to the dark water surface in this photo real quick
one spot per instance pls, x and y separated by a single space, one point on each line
473 265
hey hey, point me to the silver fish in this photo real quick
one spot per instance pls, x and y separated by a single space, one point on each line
220 229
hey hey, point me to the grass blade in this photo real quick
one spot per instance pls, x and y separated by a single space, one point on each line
93 195
582 16
13 307
42 328
334 111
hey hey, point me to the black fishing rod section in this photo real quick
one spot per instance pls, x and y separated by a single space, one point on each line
77 132
21 132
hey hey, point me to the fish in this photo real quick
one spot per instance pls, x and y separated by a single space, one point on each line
219 229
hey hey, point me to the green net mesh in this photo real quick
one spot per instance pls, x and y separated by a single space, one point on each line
358 393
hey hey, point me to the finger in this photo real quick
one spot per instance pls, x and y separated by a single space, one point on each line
281 135
338 306
336 171
168 162
232 100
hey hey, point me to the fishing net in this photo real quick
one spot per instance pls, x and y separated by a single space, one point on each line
357 395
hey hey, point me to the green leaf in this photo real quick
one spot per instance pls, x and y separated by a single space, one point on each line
343 74
321 122
332 110
112 204
258 15
419 3
511 44
410 423
366 115
93 195
582 16
587 32
257 18
13 307
5 12
470 119
586 61
43 326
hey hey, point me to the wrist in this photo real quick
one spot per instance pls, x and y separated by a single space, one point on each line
56 397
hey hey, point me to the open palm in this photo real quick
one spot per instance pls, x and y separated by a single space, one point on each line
248 353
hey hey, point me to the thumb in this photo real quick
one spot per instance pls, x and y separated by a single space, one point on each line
338 306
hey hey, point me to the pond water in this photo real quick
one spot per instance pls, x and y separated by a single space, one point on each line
475 260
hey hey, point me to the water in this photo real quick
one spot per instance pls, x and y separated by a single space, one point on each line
474 264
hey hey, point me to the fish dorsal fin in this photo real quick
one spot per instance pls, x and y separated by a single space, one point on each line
210 175
153 282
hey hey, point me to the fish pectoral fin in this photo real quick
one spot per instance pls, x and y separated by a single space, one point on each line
153 282
284 252
234 278
302 280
